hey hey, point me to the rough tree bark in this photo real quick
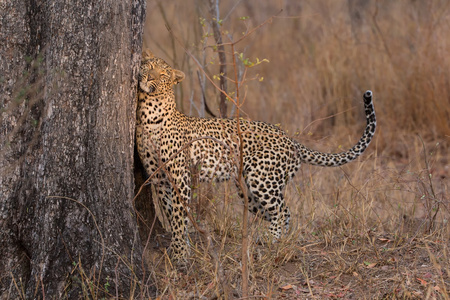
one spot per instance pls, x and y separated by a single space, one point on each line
68 72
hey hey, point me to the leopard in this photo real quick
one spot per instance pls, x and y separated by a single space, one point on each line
169 143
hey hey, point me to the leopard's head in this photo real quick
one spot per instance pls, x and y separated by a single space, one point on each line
156 76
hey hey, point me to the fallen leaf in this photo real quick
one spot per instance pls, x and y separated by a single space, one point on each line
370 265
384 240
288 287
422 282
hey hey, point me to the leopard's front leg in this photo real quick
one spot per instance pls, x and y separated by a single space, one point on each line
180 184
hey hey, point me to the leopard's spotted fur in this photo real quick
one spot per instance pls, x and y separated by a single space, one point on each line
166 137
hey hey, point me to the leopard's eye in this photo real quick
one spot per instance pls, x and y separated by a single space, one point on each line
164 73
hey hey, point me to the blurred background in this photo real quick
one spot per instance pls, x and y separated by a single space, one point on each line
313 60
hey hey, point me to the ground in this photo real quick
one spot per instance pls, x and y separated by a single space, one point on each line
337 256
372 266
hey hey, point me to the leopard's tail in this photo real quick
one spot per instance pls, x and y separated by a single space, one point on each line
337 159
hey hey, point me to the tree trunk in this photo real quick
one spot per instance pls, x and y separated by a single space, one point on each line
68 73
215 20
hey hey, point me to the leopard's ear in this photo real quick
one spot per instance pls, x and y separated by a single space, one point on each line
178 76
147 54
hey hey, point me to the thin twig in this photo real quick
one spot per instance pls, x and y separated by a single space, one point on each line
427 168
244 249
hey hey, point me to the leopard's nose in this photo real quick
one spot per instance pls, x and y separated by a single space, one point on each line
153 74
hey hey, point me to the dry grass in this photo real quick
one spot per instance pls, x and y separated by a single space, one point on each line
374 229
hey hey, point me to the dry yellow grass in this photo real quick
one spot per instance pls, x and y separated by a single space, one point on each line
376 228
